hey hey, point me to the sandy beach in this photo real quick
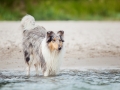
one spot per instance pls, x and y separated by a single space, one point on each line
88 44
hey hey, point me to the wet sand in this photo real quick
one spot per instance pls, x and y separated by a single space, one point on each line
88 44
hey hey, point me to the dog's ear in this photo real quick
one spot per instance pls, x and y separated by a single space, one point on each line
49 36
61 34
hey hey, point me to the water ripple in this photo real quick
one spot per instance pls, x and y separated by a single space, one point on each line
66 80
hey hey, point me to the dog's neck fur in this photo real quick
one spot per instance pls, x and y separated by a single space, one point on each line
52 59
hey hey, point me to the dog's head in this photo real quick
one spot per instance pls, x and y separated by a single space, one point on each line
55 41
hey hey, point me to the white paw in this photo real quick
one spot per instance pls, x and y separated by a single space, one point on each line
45 74
27 74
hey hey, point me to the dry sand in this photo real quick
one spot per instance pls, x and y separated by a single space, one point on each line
89 44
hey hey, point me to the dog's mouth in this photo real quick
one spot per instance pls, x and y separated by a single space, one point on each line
52 48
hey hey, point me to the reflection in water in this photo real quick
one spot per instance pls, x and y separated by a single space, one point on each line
67 80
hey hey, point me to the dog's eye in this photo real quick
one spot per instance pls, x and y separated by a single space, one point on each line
53 40
60 40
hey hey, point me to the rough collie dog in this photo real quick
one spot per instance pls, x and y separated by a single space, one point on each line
42 48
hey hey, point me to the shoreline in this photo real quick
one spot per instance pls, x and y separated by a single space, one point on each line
88 44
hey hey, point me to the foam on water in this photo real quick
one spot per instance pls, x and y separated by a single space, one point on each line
67 80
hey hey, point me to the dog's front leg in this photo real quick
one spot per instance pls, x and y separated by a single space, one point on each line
28 70
46 73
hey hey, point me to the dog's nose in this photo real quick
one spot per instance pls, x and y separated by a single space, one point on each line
59 48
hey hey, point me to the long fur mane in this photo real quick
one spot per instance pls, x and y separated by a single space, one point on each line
53 59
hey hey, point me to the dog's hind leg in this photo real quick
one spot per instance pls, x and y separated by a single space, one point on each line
28 60
28 70
37 64
36 67
29 63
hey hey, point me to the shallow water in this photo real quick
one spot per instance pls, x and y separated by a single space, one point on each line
67 80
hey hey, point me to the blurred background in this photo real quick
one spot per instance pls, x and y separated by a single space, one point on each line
60 9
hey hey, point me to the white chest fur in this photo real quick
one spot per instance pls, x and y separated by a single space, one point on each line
53 59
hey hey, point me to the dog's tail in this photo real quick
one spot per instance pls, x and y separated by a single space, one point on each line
27 22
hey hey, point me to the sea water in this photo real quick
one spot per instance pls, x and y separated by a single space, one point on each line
66 80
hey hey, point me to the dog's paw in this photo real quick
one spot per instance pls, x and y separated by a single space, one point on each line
46 74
